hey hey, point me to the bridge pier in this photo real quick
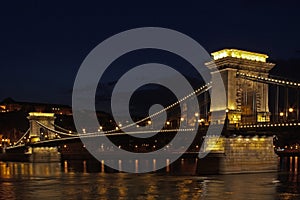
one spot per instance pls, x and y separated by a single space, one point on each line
240 155
247 102
43 154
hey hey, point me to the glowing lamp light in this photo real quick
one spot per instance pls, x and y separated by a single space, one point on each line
291 110
281 114
38 114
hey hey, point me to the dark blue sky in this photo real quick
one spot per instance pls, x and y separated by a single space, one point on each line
42 45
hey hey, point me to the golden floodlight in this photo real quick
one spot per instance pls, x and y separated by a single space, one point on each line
39 114
235 53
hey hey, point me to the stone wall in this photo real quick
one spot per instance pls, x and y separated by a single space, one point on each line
44 154
248 155
241 155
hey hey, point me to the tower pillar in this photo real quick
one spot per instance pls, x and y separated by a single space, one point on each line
38 133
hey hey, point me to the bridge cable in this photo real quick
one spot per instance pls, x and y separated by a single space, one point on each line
55 131
196 92
268 79
22 137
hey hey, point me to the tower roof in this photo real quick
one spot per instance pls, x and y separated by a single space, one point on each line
235 53
240 60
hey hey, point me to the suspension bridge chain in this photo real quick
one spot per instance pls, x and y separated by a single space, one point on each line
23 136
47 128
196 92
270 80
56 131
63 129
72 136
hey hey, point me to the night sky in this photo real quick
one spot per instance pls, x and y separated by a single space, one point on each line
43 45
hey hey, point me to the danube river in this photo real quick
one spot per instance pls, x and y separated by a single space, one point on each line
87 180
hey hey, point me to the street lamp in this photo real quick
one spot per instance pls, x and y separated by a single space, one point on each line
281 114
291 115
183 121
150 123
197 119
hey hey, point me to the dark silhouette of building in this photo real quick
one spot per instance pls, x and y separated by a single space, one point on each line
10 105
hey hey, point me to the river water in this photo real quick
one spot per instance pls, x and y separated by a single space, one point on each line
85 180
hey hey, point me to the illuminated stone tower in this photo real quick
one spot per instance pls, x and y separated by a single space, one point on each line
36 131
247 98
39 133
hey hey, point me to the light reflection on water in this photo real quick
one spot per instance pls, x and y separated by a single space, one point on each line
90 180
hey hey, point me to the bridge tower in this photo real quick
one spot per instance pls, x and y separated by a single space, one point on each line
37 132
247 100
